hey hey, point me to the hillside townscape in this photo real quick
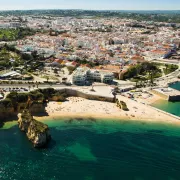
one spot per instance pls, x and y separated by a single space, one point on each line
75 80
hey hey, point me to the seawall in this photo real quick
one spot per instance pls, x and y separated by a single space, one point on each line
39 108
174 98
76 93
171 95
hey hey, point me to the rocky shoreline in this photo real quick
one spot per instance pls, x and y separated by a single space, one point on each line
37 132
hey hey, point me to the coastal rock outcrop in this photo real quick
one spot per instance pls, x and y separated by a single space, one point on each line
6 109
37 132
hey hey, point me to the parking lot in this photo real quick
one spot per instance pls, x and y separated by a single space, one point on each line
14 89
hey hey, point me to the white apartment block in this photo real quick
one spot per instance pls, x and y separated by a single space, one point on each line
83 75
80 76
107 77
95 76
4 25
15 24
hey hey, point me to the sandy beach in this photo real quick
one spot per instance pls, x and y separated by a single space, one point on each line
79 107
150 100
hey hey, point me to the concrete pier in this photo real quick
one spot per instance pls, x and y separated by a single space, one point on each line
167 93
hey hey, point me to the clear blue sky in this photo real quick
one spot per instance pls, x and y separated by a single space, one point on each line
92 4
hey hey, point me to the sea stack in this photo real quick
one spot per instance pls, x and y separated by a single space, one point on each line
37 132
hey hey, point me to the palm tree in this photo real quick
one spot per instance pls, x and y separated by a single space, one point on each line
137 81
92 87
152 70
166 65
47 78
37 84
21 71
114 94
64 80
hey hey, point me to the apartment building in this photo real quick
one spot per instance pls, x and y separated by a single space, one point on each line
107 77
95 76
79 77
83 75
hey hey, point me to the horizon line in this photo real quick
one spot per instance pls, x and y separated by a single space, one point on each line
92 9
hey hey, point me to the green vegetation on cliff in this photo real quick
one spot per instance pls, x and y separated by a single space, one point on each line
37 126
15 34
6 57
37 132
14 99
6 103
11 57
122 105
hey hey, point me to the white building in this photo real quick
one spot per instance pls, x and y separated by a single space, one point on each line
15 24
83 75
4 25
107 77
101 76
95 76
80 76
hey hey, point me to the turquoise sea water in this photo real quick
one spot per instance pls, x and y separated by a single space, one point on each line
90 149
171 107
176 86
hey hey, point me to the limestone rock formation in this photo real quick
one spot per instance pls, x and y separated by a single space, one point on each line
37 132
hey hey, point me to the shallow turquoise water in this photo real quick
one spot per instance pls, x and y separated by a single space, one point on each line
176 86
93 150
171 107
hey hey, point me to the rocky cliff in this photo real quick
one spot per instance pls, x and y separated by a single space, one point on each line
6 113
6 110
37 132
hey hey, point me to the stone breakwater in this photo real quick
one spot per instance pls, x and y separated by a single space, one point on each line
37 132
168 94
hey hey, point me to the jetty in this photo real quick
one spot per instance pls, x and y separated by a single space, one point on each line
167 93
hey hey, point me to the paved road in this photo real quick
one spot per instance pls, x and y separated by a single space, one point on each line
169 76
99 89
27 85
166 61
42 86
